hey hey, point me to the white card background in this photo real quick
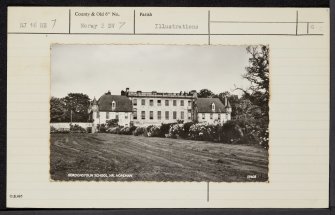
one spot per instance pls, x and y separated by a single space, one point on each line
299 106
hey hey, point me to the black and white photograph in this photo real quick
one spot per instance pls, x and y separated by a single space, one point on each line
164 113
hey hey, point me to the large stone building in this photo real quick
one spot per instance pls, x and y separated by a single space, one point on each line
154 108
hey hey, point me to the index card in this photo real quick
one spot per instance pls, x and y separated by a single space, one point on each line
113 107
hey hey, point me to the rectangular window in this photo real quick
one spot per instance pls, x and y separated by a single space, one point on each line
189 114
135 115
181 102
166 114
126 115
151 115
159 115
116 115
107 115
219 116
143 114
174 114
174 102
166 102
203 116
211 116
159 102
135 102
182 115
143 102
189 103
151 102
98 114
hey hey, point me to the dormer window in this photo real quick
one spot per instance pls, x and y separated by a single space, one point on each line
113 105
213 107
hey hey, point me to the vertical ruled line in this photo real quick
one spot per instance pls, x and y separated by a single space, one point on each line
134 22
307 27
208 191
296 23
69 21
209 27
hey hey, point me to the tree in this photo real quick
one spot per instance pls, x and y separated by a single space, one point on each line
57 110
78 104
253 109
258 75
205 93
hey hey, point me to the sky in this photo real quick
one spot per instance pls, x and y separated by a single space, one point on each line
96 69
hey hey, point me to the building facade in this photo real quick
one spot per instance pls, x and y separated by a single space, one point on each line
212 110
109 107
154 108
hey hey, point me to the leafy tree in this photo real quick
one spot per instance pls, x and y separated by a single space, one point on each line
78 104
57 110
258 75
205 93
61 108
254 104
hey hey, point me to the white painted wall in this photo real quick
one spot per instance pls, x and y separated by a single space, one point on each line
66 125
124 118
224 118
163 108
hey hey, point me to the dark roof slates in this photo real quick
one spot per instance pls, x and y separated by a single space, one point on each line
123 103
204 105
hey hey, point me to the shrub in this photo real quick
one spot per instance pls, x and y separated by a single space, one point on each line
77 129
114 130
176 131
153 131
232 132
140 131
127 130
124 130
132 129
112 122
102 128
180 121
53 129
203 131
63 130
264 138
196 131
187 126
164 129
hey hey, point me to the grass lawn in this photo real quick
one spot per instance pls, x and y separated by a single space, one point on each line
139 158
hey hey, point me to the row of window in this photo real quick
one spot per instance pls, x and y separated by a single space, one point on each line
159 102
211 116
159 115
116 115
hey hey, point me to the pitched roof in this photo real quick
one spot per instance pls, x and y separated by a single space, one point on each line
94 102
204 105
122 103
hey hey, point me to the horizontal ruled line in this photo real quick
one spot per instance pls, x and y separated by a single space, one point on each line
218 21
169 34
